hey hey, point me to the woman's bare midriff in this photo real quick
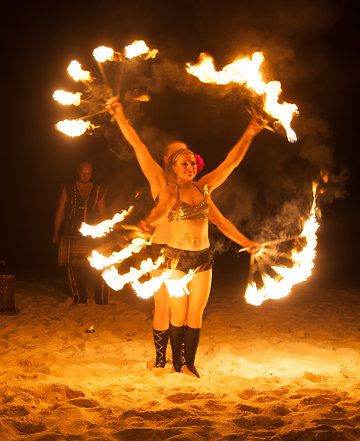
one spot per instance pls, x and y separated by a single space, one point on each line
191 235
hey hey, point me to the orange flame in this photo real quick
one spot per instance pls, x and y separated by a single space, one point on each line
75 71
303 263
105 226
117 281
103 53
246 71
148 288
67 98
139 47
99 261
74 127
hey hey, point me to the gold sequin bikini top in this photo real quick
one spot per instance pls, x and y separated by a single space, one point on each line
184 211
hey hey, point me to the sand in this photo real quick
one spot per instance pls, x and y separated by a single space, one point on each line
288 370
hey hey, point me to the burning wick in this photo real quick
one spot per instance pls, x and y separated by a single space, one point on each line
139 47
74 127
103 53
67 98
77 73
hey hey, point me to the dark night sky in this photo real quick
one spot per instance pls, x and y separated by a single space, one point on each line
310 46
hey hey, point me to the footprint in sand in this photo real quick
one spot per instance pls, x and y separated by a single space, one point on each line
258 422
320 400
181 397
84 402
51 437
15 411
145 434
247 408
29 428
155 415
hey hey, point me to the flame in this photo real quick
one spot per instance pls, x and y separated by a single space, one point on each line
99 261
117 281
324 176
144 98
75 71
151 54
74 127
246 71
105 226
67 98
139 47
303 263
147 289
178 287
103 53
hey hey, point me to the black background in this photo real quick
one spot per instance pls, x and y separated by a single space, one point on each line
310 46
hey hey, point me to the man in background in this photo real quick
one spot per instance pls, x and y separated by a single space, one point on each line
81 200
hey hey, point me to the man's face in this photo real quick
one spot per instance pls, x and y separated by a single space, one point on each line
85 173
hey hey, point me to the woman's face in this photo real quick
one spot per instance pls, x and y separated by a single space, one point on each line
185 166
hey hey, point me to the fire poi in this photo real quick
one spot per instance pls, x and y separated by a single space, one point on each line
77 127
246 72
286 276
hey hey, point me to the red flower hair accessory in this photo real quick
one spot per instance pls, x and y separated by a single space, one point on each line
199 162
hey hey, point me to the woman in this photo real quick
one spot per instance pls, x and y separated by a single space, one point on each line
187 207
158 180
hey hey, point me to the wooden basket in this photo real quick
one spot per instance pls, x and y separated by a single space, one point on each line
7 293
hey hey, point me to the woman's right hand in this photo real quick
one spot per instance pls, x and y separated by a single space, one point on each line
145 227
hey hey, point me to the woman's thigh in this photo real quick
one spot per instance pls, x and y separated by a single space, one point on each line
199 288
161 309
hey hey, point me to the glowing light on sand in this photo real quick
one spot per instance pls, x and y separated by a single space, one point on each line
74 127
246 71
105 226
103 53
99 261
139 47
67 98
77 73
303 264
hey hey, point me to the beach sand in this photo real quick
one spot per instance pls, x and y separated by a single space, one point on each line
288 370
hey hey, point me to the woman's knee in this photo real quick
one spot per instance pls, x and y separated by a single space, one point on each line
178 319
194 319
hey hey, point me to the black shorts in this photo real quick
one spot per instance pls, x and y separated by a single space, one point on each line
154 250
185 260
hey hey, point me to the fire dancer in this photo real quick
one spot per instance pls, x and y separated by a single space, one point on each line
158 179
80 201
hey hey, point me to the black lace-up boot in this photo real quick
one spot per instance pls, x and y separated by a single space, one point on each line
160 340
176 340
191 341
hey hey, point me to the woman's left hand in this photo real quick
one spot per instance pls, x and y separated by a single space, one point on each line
253 247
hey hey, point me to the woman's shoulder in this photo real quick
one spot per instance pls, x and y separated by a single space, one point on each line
169 191
203 187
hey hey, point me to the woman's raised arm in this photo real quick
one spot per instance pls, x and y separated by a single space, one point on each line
217 177
151 169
